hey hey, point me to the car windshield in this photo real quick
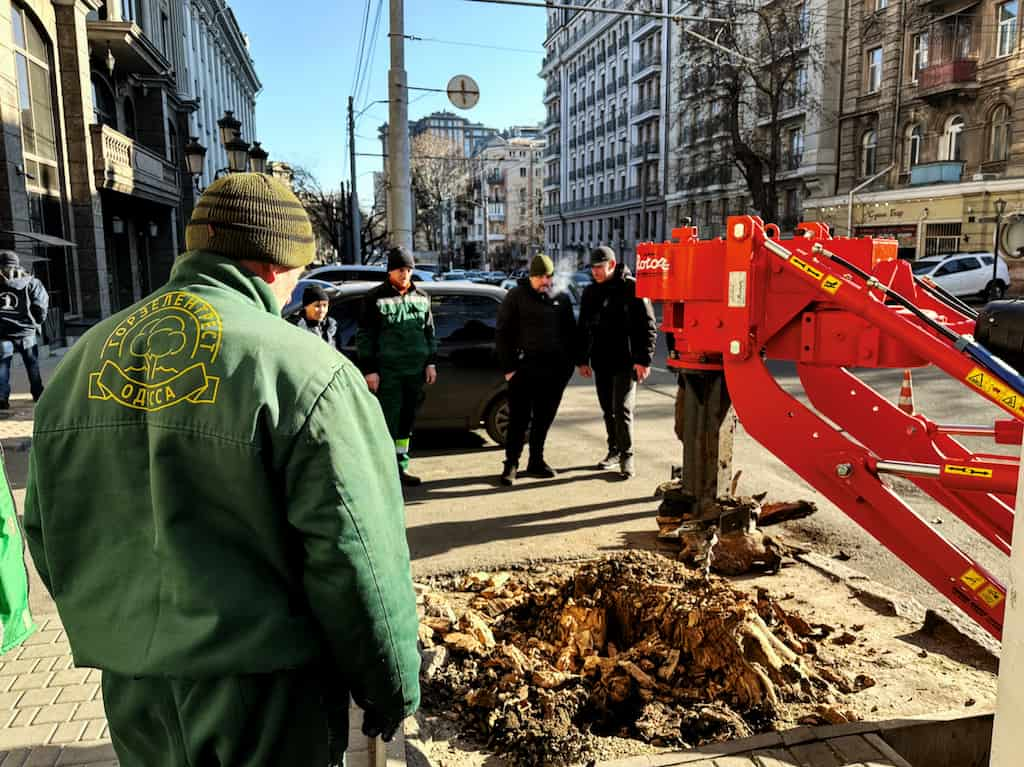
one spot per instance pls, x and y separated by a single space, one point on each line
923 267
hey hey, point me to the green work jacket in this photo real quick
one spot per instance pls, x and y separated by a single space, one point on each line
15 618
396 331
212 492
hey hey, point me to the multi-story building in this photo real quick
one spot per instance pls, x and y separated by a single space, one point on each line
469 136
705 185
218 75
606 96
510 171
929 106
95 194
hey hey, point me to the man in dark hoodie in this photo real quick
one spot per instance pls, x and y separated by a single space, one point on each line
535 334
617 337
23 307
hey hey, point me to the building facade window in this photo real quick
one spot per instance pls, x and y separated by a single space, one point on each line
912 153
1001 133
795 148
35 102
1006 40
952 139
920 54
874 70
868 151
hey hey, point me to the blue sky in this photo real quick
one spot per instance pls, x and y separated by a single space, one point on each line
305 53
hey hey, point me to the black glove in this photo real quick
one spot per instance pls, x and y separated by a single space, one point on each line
374 725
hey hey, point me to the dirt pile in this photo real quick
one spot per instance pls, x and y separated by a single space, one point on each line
543 664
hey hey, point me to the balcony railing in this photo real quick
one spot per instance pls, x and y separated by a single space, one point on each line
572 143
951 75
495 177
936 173
572 110
589 135
644 62
650 147
125 166
623 81
620 158
646 105
591 100
792 160
609 163
552 210
599 130
631 194
609 126
552 150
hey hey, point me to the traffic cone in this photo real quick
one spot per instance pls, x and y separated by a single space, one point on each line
906 401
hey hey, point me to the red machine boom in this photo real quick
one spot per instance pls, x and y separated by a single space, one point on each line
831 305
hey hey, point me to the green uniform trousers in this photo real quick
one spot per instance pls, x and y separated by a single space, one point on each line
253 720
400 396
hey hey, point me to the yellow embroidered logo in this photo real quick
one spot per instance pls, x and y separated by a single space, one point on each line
157 356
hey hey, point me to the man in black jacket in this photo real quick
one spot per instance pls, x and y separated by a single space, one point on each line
24 303
535 335
617 337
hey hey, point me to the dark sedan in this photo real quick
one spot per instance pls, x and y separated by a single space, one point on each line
470 389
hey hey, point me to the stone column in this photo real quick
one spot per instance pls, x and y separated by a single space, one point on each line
86 206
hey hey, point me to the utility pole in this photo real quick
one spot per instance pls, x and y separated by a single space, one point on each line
483 196
356 225
399 193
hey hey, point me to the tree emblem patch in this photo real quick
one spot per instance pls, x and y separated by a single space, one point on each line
157 356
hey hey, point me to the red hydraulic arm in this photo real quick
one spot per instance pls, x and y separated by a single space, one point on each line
832 305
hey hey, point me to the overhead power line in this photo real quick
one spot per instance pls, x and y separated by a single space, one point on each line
676 17
535 51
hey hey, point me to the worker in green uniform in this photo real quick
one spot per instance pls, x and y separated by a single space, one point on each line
16 624
396 348
216 512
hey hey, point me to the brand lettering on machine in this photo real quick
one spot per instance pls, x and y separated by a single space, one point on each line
652 263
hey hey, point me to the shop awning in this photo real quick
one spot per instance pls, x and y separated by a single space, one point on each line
43 239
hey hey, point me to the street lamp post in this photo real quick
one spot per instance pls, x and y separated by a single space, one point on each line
993 287
241 156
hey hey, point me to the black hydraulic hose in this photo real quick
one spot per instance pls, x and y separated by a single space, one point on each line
942 294
897 298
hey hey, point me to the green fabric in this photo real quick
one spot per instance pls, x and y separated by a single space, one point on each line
15 617
212 492
400 397
396 332
241 721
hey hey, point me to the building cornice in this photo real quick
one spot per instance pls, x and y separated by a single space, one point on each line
916 193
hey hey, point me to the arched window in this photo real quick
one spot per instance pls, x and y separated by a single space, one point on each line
912 148
35 101
1001 133
129 119
104 109
868 151
952 139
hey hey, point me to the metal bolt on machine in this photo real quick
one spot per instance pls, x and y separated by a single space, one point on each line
832 306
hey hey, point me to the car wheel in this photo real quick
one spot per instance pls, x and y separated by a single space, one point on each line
496 419
995 290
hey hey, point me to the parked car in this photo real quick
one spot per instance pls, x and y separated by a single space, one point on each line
470 389
349 272
454 274
965 274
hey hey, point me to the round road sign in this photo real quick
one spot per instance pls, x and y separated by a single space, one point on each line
463 92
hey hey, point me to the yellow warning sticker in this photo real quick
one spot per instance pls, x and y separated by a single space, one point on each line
831 284
996 390
991 596
805 267
973 579
967 471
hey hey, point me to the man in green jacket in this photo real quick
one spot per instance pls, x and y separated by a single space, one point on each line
216 514
396 347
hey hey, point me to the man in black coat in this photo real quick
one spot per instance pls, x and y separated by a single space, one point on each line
617 337
535 335
24 303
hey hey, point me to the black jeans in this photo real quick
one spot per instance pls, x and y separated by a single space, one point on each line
616 391
30 357
534 394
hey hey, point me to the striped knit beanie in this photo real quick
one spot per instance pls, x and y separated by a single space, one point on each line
252 216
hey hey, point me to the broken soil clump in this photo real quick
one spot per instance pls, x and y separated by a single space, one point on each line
544 664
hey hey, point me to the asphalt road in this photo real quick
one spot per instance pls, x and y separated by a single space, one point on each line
462 519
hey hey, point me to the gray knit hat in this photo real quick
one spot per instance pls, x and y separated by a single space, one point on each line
252 216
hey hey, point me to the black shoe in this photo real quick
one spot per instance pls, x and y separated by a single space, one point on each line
409 480
508 474
610 461
626 467
5 404
540 469
35 397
